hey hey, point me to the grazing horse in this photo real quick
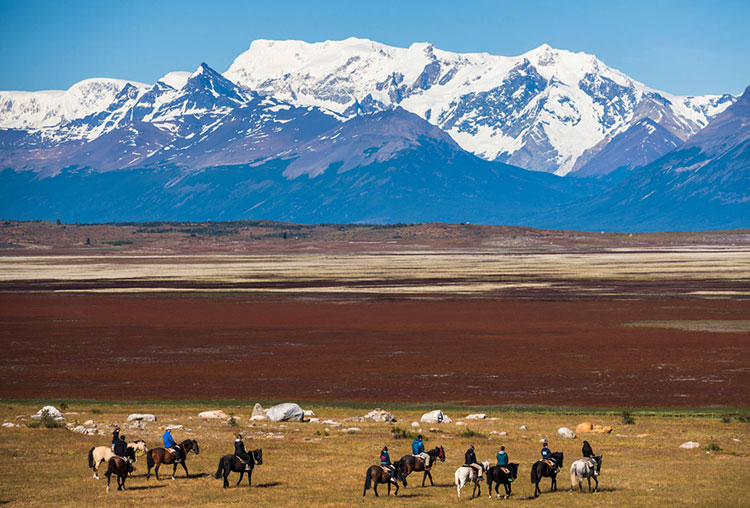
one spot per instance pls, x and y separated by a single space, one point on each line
159 456
379 474
120 467
466 474
585 468
498 475
414 463
99 454
540 469
231 462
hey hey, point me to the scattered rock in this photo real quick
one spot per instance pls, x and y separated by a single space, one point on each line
496 433
690 445
89 423
354 419
314 420
378 415
258 418
352 429
736 440
621 435
175 427
586 427
258 412
566 433
80 429
51 411
142 417
286 412
476 416
332 423
10 425
308 412
436 416
460 423
217 414
642 435
433 429
523 427
414 425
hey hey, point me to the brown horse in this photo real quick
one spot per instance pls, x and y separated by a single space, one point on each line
159 456
121 468
413 463
541 469
376 474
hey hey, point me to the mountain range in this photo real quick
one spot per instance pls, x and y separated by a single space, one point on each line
353 131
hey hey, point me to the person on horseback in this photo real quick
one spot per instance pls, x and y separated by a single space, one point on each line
239 451
417 449
115 436
502 459
586 450
171 445
470 459
121 450
385 461
547 455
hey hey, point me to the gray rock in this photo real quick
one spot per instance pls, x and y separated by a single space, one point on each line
690 445
286 412
566 433
143 417
436 416
378 415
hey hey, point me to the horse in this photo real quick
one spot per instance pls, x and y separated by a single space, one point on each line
466 474
231 462
120 467
585 468
99 454
414 463
541 469
497 475
378 474
159 456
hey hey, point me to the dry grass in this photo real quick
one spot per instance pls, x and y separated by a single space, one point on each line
699 325
45 467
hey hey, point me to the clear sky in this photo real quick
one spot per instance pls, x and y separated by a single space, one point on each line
685 47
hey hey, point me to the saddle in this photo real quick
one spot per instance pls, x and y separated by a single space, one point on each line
386 469
505 470
417 458
550 463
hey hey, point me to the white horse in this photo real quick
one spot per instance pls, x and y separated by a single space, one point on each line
585 468
465 474
99 454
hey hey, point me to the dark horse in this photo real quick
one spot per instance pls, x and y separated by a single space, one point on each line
376 474
120 467
541 469
159 456
231 462
497 475
413 463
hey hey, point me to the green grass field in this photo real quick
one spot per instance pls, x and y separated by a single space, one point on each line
313 464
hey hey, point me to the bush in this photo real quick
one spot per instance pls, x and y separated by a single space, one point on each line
232 422
627 418
63 406
45 421
713 447
726 419
470 433
96 411
399 433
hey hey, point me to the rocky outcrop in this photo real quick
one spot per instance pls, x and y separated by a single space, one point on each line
436 416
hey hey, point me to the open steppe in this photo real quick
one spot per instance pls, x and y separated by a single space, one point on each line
523 324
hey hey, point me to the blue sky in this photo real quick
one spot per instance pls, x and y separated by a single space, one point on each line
684 47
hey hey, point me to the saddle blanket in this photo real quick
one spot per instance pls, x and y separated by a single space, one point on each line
505 470
550 463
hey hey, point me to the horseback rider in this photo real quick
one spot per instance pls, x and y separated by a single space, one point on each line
171 445
586 450
385 461
502 457
121 449
547 455
470 460
115 436
417 449
241 453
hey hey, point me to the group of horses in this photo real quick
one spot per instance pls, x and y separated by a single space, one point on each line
155 457
498 475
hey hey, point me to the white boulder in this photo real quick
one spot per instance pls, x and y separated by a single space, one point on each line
258 411
436 416
142 417
309 412
10 425
52 411
476 416
216 414
690 445
378 415
414 425
352 429
258 418
523 427
566 433
286 412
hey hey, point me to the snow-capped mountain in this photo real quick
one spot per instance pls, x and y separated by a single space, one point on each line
542 110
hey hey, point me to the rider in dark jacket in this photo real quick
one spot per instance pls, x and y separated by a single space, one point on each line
385 461
121 450
586 450
239 450
115 436
470 459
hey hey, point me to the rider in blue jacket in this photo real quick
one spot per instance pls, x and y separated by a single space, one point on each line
417 446
170 444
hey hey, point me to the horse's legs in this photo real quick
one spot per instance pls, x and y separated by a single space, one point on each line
596 488
429 475
227 470
156 469
187 475
389 487
108 480
242 474
250 478
375 487
174 469
553 486
537 490
589 478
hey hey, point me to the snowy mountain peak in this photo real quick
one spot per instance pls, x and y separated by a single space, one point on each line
175 79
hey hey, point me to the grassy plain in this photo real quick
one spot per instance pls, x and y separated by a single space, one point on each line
307 465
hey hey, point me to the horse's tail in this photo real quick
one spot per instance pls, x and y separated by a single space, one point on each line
110 467
368 480
220 471
534 477
91 458
150 459
572 475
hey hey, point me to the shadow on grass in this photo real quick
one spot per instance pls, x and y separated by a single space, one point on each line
146 487
267 485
